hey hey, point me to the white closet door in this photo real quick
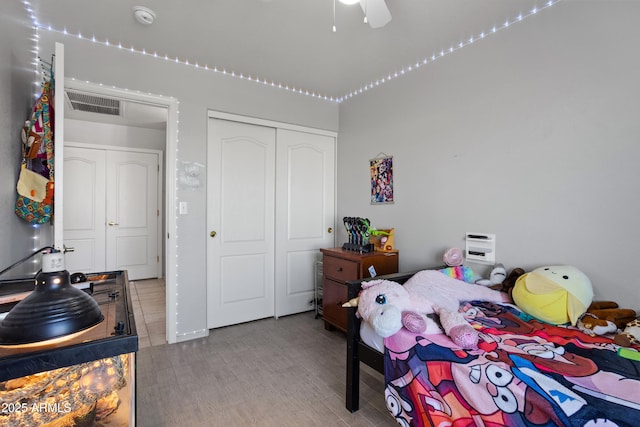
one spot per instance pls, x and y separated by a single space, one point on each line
132 213
84 209
240 220
305 214
111 211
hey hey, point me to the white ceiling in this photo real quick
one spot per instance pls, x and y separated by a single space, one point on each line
289 41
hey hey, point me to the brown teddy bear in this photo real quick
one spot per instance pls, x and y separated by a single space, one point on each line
509 282
609 310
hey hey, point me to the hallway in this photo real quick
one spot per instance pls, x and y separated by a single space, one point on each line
149 309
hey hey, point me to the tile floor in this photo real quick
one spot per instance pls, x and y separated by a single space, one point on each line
148 300
272 372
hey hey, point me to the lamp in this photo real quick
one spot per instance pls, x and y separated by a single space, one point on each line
54 309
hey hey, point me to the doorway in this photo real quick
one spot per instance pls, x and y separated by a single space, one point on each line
144 106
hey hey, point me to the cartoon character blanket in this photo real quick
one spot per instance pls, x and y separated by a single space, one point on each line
525 373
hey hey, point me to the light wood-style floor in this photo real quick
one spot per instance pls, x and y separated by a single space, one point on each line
272 372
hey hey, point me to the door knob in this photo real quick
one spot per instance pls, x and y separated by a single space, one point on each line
329 230
213 234
112 223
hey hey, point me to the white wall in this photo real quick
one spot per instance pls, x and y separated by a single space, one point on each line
532 134
115 135
197 91
17 90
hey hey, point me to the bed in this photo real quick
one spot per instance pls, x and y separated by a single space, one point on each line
525 373
358 350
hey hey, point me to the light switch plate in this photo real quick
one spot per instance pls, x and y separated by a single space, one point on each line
183 208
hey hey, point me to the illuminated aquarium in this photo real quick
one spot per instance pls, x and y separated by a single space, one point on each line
83 379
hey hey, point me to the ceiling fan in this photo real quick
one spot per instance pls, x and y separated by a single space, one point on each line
376 12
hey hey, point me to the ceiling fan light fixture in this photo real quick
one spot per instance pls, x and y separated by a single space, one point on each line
144 15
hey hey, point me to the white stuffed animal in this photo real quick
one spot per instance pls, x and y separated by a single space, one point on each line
388 306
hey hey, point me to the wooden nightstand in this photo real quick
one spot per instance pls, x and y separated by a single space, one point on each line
340 266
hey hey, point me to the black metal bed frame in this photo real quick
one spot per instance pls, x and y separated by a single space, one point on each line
358 351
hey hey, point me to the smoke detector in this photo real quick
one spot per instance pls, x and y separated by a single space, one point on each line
144 15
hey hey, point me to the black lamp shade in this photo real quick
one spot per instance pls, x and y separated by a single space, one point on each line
54 309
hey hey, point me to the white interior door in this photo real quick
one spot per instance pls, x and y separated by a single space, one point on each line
240 219
305 212
84 209
111 211
132 213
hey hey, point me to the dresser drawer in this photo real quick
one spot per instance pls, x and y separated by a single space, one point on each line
334 295
339 269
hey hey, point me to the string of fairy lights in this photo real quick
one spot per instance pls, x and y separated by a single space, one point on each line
35 50
36 92
444 52
38 27
284 86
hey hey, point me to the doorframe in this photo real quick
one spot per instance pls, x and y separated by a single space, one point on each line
213 114
171 145
160 247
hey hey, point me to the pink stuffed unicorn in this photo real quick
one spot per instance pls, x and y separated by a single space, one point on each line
388 306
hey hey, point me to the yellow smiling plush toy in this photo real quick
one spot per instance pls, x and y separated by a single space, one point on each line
555 294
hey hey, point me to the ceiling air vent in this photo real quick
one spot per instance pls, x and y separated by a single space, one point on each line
80 101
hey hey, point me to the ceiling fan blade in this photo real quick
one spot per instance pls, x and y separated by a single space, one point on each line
377 12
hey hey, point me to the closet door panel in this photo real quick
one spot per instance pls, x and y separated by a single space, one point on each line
240 220
243 204
305 212
305 183
84 209
132 213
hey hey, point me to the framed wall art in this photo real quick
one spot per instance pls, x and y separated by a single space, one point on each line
381 170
